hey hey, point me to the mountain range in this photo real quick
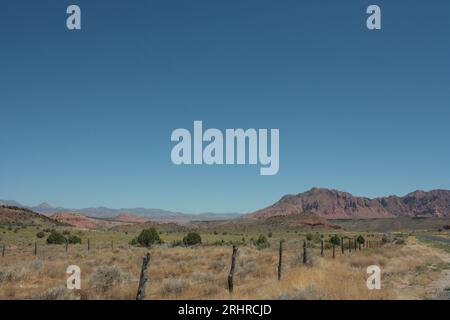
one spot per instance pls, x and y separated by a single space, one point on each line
104 212
320 202
334 204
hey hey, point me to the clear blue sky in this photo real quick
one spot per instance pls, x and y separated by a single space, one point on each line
86 116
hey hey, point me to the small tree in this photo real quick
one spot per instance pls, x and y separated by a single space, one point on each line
40 234
147 237
335 240
387 238
73 239
56 237
192 238
262 242
360 239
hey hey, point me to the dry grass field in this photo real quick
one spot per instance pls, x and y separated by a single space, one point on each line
414 270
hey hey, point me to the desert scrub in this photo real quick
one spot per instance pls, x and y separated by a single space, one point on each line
105 278
34 265
57 293
202 277
11 274
173 286
218 265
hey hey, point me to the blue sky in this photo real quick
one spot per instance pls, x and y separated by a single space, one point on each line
86 116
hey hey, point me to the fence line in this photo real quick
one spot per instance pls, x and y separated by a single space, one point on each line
307 254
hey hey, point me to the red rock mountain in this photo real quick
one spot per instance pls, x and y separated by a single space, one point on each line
80 221
128 217
333 204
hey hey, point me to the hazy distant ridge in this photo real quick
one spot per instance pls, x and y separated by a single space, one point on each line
104 212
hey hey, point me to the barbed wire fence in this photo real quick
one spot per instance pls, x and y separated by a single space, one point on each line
318 248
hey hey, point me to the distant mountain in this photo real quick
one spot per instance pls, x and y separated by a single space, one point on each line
334 204
127 217
158 215
23 216
81 221
10 203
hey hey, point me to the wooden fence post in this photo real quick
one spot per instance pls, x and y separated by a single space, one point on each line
89 245
67 245
280 259
342 245
334 246
305 253
321 248
233 267
3 251
143 278
35 248
349 245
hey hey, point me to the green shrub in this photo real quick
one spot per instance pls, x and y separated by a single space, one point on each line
73 239
335 240
56 238
40 234
387 238
309 237
269 235
66 232
147 237
262 242
360 239
192 238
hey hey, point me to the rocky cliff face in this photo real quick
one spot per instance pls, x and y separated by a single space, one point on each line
333 204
